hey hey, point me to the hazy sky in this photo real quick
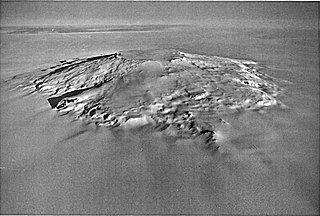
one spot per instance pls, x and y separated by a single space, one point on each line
96 13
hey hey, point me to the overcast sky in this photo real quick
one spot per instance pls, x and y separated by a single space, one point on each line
97 13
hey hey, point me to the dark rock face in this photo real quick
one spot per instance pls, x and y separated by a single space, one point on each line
174 92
